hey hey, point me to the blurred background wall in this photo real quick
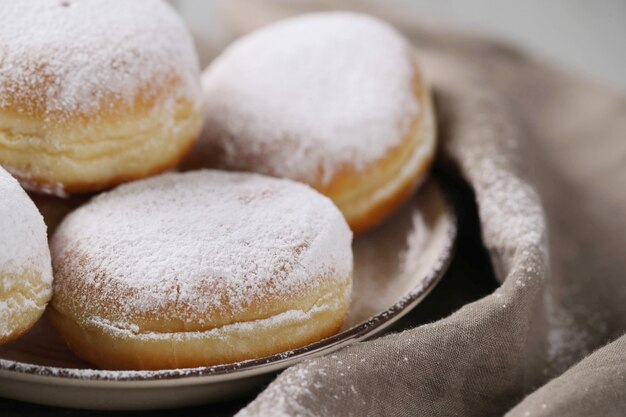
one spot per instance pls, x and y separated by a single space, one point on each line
585 36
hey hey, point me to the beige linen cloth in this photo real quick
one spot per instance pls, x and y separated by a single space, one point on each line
545 154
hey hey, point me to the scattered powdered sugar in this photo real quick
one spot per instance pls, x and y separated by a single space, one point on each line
310 95
203 242
23 247
69 58
485 138
416 243
568 340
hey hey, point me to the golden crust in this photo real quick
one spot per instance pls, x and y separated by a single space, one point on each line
65 154
172 315
154 290
26 99
160 348
367 196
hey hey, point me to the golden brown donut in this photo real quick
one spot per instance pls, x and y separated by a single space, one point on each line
25 268
94 93
201 268
335 100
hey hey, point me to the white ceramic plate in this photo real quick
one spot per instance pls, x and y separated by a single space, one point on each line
396 266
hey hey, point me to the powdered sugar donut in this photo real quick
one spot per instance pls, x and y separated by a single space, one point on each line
200 268
94 92
25 268
334 100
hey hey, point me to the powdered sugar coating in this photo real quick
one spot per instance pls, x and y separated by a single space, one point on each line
23 249
307 96
202 242
72 58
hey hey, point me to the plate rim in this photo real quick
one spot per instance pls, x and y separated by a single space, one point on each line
254 367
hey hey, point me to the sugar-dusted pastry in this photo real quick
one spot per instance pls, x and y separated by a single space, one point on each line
94 92
25 268
200 268
335 100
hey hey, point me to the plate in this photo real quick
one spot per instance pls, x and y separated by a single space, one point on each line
396 266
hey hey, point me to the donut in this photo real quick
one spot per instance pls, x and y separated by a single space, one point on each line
95 92
25 266
335 100
200 268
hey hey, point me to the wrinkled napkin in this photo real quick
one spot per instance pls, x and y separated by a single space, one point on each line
545 154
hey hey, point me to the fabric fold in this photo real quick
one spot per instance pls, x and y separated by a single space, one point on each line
448 367
544 152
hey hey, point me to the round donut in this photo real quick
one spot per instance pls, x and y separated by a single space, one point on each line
25 267
335 100
95 92
200 268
